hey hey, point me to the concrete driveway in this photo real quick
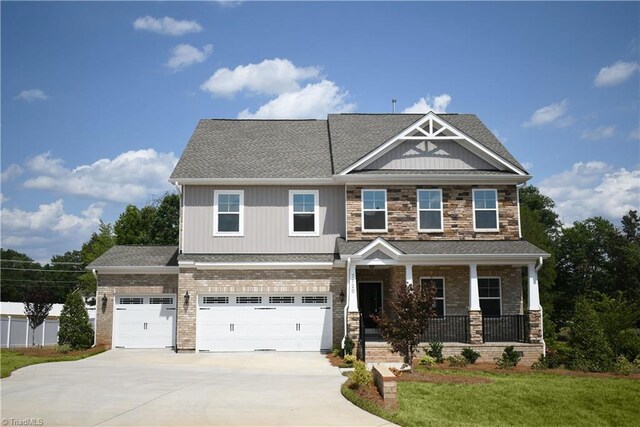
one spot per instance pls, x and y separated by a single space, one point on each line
158 387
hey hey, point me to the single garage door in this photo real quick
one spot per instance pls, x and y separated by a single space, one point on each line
264 322
145 321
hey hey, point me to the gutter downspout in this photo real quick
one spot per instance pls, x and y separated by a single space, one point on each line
544 344
346 305
95 321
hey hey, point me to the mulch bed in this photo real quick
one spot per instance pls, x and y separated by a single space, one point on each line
429 377
526 369
336 361
50 351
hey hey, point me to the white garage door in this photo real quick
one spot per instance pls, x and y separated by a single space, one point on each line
145 321
264 322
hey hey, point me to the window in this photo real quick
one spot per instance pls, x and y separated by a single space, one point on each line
438 283
281 300
485 210
430 210
228 207
130 300
314 300
161 300
303 213
374 210
489 291
248 300
215 300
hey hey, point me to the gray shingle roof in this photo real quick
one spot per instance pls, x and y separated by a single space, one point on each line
450 247
257 257
430 172
256 149
137 256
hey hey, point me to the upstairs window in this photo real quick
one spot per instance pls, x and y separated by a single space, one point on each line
438 298
228 213
430 210
490 298
304 215
374 210
485 210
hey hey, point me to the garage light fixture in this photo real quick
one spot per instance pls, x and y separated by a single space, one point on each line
341 296
186 298
104 299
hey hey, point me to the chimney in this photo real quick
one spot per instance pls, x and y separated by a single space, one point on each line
393 106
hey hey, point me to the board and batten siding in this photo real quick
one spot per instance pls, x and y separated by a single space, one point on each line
422 155
266 221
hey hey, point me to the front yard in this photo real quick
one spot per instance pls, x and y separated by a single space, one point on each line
486 397
15 358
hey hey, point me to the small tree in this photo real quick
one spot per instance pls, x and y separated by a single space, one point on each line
75 329
590 350
37 305
405 323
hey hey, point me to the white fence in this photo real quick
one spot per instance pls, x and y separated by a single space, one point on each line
15 332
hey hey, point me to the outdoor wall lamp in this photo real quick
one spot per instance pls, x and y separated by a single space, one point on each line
186 298
104 299
341 296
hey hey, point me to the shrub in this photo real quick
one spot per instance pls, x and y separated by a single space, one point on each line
590 349
457 361
427 361
509 359
636 363
623 366
435 351
628 343
348 345
349 359
360 376
470 354
64 348
336 351
75 329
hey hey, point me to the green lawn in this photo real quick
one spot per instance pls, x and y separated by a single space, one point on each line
13 359
515 399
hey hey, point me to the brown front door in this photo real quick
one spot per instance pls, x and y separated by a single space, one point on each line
369 301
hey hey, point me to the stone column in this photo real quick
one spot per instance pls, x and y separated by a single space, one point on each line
475 314
534 312
534 319
186 328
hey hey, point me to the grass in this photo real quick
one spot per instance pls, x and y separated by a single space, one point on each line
16 358
513 399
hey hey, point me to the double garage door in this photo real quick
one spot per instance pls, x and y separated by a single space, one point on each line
245 322
264 322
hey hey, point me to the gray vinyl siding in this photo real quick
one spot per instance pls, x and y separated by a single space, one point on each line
266 221
439 154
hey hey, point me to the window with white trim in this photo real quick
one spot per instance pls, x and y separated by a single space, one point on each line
228 213
374 210
490 296
438 298
485 210
430 210
303 213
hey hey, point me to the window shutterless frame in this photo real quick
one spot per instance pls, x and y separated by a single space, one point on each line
488 280
374 204
430 203
226 210
424 281
485 201
300 209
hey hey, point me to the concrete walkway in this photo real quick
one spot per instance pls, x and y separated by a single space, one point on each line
159 387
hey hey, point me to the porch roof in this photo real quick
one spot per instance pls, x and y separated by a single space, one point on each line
253 258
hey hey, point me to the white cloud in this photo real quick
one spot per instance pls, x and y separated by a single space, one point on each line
527 165
229 3
10 172
615 74
31 95
130 177
315 100
270 77
634 134
555 113
601 132
436 104
593 188
166 26
185 55
3 199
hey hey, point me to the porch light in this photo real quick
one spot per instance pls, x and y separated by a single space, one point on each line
186 298
341 296
104 299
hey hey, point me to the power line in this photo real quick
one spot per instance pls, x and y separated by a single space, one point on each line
34 262
35 281
42 270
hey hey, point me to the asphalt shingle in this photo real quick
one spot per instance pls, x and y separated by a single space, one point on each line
221 258
137 256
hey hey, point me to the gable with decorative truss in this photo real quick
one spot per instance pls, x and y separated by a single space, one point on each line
432 143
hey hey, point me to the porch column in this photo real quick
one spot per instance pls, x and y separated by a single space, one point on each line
475 314
534 312
353 314
409 275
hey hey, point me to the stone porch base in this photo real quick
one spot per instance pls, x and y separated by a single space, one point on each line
378 352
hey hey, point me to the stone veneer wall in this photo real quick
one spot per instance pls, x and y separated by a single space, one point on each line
256 281
126 284
457 214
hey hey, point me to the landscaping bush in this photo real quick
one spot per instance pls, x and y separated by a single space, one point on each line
348 345
336 351
360 376
75 329
435 351
509 359
628 343
623 366
64 348
349 359
427 361
590 349
457 361
470 354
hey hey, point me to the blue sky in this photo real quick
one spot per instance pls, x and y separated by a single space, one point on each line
99 99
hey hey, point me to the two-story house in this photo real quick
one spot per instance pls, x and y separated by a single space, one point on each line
293 233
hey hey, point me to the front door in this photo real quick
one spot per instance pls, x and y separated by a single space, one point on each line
369 301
